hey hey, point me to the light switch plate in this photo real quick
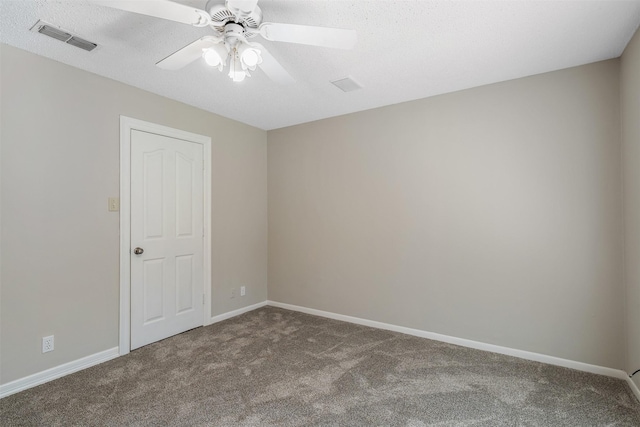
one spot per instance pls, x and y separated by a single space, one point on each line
114 204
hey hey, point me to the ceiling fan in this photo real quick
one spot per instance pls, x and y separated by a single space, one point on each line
235 23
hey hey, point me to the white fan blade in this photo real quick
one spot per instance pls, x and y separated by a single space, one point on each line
187 54
241 8
304 34
160 9
272 68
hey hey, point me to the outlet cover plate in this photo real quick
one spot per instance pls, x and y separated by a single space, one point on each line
47 344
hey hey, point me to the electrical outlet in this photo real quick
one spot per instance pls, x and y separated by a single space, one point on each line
233 292
47 344
243 291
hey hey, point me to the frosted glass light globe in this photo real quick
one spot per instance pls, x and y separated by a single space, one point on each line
250 57
211 57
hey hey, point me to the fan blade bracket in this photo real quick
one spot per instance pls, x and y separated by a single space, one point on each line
204 19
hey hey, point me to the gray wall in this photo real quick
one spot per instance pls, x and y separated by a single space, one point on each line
492 214
630 101
60 163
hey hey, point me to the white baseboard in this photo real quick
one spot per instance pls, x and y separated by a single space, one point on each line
537 357
634 387
57 372
234 313
103 356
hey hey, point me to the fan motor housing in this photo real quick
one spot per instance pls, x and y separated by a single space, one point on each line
220 13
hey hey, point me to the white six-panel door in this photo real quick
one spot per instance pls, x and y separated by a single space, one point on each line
167 231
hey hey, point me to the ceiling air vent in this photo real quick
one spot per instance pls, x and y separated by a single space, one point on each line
62 35
347 84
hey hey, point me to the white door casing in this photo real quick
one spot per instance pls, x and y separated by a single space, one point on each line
167 228
165 211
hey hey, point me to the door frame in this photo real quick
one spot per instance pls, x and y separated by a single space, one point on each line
128 124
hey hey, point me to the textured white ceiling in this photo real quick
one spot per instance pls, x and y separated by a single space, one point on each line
406 50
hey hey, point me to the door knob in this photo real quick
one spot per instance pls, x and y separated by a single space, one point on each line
138 251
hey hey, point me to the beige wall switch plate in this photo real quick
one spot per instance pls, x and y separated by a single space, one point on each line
114 204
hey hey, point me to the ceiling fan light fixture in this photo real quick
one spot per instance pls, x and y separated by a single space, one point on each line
236 72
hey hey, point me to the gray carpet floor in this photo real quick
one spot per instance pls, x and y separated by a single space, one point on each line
278 367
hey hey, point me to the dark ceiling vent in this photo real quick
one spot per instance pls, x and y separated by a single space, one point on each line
62 35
